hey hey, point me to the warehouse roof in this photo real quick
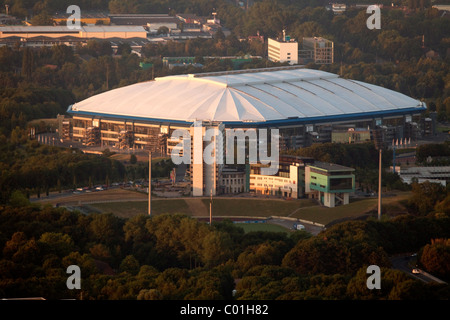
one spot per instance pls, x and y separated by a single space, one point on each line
283 94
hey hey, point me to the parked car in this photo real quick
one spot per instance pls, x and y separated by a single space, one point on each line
298 226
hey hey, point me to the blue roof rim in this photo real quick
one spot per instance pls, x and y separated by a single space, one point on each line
280 122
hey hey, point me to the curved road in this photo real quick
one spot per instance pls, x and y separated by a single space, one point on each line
404 263
309 227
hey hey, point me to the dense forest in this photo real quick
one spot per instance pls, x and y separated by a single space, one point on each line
177 257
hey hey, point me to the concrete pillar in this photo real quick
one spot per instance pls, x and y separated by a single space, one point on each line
346 198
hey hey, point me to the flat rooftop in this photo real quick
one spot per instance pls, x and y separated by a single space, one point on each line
330 167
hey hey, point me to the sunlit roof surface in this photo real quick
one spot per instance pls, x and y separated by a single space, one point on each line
261 95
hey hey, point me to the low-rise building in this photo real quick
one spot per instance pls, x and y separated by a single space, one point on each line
438 174
331 184
338 8
86 17
288 182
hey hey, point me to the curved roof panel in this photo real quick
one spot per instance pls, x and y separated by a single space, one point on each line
258 95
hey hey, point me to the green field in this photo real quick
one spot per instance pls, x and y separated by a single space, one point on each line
129 209
250 227
326 215
355 208
232 207
256 207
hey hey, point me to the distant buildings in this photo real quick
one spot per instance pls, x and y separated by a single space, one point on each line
314 49
338 8
442 7
87 18
84 32
284 50
147 27
8 20
440 174
318 50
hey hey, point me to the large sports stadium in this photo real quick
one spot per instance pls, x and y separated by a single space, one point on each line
305 105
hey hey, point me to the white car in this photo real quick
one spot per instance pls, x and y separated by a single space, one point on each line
415 270
298 226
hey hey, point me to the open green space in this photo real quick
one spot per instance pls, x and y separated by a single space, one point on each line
251 227
128 209
257 207
356 208
326 215
302 209
221 207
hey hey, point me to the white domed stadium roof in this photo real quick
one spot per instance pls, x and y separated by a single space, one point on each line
258 95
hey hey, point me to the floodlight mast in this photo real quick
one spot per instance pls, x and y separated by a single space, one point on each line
378 140
149 183
379 187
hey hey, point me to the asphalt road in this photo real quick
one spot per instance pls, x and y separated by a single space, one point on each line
311 228
406 263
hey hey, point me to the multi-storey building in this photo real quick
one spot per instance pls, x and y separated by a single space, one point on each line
317 50
329 183
285 50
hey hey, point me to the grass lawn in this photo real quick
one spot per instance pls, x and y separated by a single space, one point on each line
129 209
249 227
221 207
302 209
257 207
139 157
354 209
326 215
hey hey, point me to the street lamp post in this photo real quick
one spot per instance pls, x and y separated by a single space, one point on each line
378 140
149 183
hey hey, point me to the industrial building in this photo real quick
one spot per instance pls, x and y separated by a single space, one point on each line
304 105
438 174
84 32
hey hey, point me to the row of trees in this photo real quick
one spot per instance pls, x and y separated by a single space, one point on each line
34 169
177 257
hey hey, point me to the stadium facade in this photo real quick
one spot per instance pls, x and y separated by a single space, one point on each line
305 105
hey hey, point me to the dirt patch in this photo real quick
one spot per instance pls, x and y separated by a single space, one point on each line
197 207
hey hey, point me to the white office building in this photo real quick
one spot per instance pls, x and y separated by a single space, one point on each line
283 51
